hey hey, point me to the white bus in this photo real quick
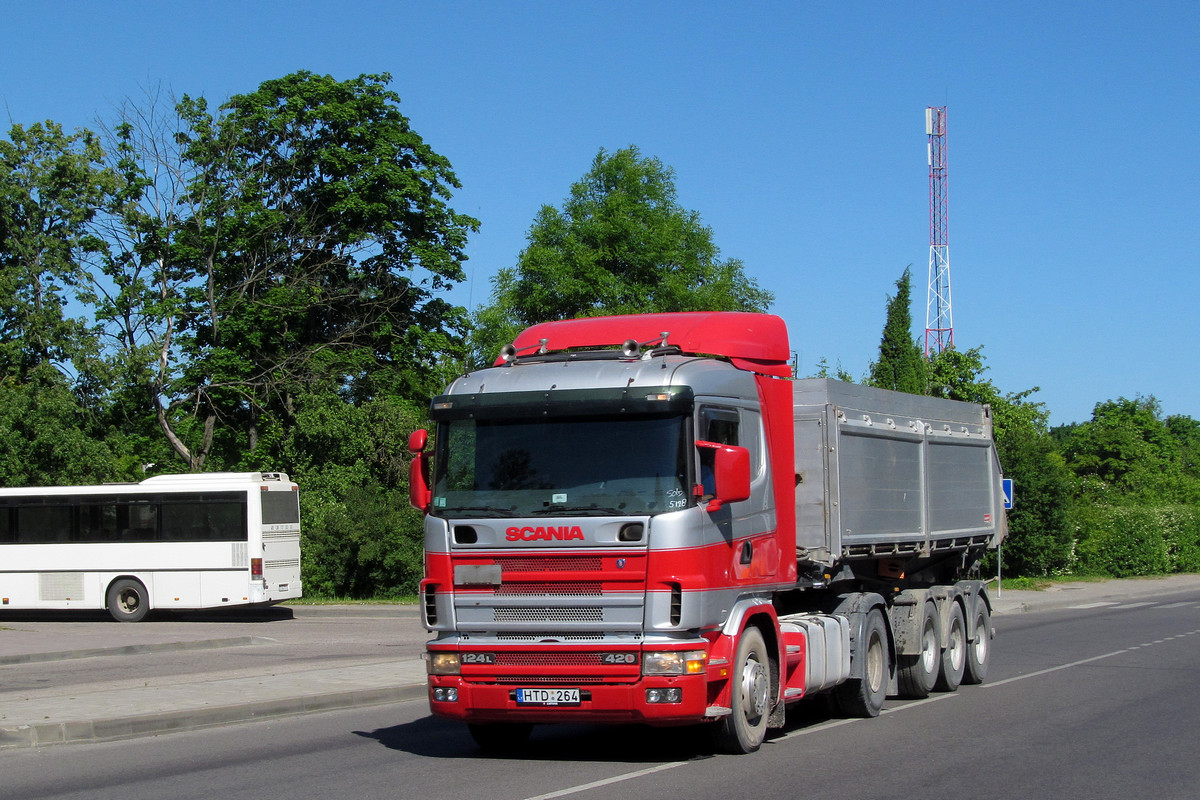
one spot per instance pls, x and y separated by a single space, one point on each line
169 542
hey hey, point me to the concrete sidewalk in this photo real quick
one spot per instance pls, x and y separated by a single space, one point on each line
118 709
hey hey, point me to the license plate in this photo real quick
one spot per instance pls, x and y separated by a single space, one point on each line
548 697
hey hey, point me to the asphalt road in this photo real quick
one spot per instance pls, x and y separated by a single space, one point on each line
1083 702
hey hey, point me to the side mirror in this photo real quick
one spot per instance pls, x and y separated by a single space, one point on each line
729 481
420 496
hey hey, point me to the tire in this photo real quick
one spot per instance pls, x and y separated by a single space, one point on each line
128 600
500 738
744 730
863 697
916 674
954 656
979 652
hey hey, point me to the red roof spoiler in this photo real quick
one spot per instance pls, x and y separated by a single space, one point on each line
753 342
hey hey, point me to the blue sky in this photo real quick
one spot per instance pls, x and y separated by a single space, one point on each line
795 129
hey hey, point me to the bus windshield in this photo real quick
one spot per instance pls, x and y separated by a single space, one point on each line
578 466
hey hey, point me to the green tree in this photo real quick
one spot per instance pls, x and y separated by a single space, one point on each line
621 244
901 365
1039 537
51 184
295 241
1127 453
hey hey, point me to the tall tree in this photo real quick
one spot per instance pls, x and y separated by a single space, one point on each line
296 240
901 365
1127 453
621 244
1039 539
51 184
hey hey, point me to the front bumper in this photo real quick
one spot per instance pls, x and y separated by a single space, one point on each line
599 703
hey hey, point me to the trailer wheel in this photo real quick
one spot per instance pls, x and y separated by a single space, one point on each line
863 697
500 737
916 674
954 657
979 652
744 730
128 601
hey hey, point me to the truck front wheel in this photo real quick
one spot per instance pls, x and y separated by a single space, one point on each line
744 730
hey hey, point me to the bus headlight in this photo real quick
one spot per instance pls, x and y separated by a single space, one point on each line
443 663
689 662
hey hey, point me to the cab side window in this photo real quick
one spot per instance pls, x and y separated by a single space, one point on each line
718 425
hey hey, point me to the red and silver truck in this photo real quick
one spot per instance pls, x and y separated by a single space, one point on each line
645 519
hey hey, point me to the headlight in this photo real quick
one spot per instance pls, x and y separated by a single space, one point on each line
690 662
440 663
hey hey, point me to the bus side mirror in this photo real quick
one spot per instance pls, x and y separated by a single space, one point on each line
420 496
730 473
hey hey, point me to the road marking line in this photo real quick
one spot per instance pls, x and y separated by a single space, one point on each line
1054 669
1179 605
824 726
609 781
1135 605
1092 605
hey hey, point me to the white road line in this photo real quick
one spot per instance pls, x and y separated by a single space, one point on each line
609 781
1135 605
1179 605
839 722
1092 605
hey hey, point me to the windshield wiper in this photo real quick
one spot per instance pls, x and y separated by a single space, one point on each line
557 510
491 511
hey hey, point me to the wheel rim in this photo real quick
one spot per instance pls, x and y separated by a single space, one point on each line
129 601
980 647
929 649
957 652
875 659
755 684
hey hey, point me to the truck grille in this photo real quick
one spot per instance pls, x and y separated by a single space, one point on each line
548 614
569 564
566 589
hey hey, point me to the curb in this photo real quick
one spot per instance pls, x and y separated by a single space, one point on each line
132 650
150 724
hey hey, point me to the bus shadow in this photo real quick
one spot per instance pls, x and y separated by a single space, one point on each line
231 614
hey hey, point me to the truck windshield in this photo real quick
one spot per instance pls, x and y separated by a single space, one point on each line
571 466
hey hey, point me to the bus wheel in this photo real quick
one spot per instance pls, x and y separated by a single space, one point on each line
128 601
744 730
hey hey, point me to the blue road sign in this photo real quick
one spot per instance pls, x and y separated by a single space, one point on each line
1008 493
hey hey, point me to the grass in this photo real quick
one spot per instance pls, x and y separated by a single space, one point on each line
1045 582
354 601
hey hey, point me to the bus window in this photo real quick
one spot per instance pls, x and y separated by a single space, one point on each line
40 524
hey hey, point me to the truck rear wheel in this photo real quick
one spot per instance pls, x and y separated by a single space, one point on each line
917 673
954 657
744 730
863 697
979 652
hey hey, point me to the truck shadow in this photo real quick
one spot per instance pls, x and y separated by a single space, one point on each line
432 737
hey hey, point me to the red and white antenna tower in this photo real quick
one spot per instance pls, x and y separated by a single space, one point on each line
939 321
